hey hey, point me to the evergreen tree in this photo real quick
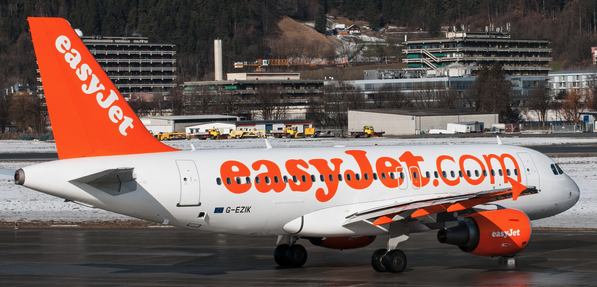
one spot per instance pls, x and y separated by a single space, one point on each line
320 20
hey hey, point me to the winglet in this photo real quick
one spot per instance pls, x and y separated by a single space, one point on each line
267 145
499 140
89 116
517 188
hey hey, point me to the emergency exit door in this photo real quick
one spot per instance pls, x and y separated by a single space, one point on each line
190 189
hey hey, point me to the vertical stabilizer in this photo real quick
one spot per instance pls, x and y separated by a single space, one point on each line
89 116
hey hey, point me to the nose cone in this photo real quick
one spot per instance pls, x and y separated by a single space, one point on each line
569 194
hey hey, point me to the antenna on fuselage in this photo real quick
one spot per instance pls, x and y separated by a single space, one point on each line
499 140
267 145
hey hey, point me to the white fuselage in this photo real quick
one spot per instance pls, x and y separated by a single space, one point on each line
169 190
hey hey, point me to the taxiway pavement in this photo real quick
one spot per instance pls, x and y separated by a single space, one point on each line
175 257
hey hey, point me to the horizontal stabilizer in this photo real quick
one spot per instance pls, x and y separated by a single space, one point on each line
114 181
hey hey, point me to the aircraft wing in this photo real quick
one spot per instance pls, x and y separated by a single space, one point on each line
393 212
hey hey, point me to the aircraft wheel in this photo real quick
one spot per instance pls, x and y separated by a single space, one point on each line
377 260
280 255
395 261
296 255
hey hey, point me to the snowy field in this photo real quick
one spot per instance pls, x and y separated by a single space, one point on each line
20 204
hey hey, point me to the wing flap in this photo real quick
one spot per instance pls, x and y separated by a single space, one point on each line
389 213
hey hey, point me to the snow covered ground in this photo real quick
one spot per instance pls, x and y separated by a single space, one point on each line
24 205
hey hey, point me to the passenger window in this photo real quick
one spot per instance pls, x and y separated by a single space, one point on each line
237 180
500 171
476 173
460 173
312 178
321 178
452 174
348 177
339 177
357 176
247 180
285 179
427 174
392 176
276 180
219 181
444 174
415 175
366 176
257 180
468 173
436 174
294 179
515 171
484 172
331 177
267 180
374 176
508 172
304 178
383 176
402 175
492 172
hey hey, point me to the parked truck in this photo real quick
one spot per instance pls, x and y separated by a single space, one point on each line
240 134
287 132
163 136
367 132
209 134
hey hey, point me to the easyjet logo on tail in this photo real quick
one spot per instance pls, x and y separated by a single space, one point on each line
91 85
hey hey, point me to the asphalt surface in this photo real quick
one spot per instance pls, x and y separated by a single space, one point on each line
174 257
571 149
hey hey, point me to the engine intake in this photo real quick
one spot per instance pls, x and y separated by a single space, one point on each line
490 233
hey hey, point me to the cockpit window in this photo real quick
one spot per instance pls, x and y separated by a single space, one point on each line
559 169
553 169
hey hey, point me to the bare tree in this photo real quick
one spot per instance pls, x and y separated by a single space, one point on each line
447 99
592 91
29 112
540 101
572 104
268 102
5 116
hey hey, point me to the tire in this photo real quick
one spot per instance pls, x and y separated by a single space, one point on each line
280 255
377 260
296 255
395 261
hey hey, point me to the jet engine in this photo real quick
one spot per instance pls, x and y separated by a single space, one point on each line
342 242
500 232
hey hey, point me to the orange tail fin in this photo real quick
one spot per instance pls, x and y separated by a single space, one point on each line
89 116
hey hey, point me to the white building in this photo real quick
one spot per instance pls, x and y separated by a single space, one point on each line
563 82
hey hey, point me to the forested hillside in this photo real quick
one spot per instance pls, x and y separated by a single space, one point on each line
243 25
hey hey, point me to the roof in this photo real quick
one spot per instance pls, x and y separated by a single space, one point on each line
572 72
288 121
425 112
193 117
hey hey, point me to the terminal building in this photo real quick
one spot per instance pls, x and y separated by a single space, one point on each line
248 92
473 49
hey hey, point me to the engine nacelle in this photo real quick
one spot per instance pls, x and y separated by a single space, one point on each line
342 242
500 232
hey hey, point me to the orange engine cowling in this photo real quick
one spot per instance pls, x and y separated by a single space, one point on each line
343 242
500 232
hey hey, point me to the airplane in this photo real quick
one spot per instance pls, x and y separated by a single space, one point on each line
480 198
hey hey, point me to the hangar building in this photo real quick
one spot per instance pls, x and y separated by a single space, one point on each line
414 121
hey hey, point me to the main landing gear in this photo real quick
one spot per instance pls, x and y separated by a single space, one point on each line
291 255
392 259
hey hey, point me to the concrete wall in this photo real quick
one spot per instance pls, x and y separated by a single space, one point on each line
394 124
390 123
158 125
